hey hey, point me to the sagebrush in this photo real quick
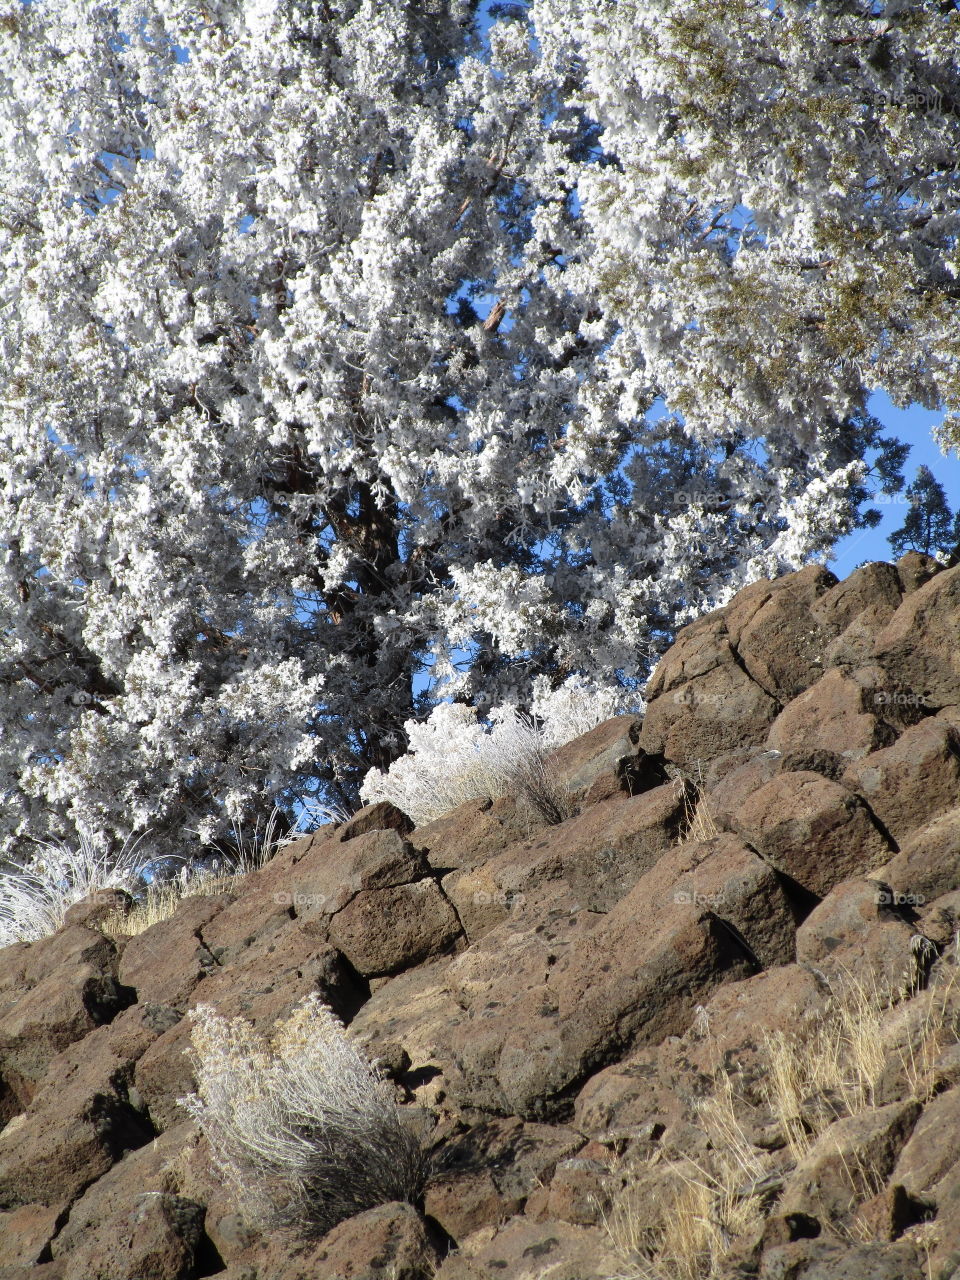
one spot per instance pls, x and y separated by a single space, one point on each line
302 1125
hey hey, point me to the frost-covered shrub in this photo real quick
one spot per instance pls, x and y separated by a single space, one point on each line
452 758
35 895
303 1127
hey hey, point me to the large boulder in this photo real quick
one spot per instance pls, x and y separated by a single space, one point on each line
837 713
523 1250
605 762
855 610
83 1118
812 830
589 861
847 1162
52 993
729 674
704 914
918 646
472 833
912 782
484 1175
928 864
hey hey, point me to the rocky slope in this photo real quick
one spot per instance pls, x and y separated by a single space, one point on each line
571 1013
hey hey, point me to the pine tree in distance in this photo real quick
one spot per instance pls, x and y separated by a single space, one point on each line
343 340
930 526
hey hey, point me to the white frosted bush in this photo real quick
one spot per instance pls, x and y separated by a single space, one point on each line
574 708
452 758
35 895
303 1127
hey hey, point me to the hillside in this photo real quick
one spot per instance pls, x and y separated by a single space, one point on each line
705 1025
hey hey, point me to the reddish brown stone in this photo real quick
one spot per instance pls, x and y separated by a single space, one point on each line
81 1120
100 906
835 714
591 861
847 914
718 711
812 830
25 1233
781 643
525 1250
472 833
605 762
914 569
52 993
931 1152
856 610
532 1037
385 930
484 1176
840 1170
165 962
918 646
391 1240
912 782
928 865
382 816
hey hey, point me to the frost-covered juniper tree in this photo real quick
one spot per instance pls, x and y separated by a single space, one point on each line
335 337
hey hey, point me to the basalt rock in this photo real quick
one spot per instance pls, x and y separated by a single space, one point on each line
569 1013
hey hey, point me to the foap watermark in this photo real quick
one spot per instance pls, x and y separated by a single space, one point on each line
690 897
695 496
689 697
893 898
299 900
900 698
500 898
925 101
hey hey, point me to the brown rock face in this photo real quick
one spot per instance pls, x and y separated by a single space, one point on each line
471 834
718 710
834 1177
928 865
698 918
778 635
52 993
812 830
384 930
913 781
568 1014
605 762
918 646
166 962
855 610
82 1119
728 675
836 714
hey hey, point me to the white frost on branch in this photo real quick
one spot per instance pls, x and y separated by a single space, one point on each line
334 340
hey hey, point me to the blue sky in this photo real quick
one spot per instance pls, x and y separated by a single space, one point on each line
913 427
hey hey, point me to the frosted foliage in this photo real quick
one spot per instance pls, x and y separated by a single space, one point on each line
304 1128
574 708
36 895
451 758
334 340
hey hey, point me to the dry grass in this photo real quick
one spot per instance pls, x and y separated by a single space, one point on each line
35 896
680 1221
698 822
160 902
706 1205
249 852
938 1026
841 1057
